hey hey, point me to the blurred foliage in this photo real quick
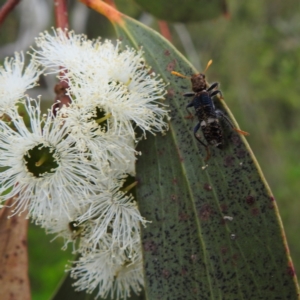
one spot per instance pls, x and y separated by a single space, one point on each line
191 11
46 262
256 55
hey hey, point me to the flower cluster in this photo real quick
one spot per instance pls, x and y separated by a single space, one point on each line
73 167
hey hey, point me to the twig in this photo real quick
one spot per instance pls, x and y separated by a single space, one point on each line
61 21
61 14
7 8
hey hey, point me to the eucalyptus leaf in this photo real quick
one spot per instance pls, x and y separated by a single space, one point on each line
215 232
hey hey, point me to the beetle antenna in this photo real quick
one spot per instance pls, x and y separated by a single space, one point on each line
189 77
208 65
179 74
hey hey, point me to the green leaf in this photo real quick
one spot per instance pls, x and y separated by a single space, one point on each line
184 11
215 232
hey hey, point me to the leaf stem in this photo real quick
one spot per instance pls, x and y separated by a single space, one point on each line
110 2
7 8
105 9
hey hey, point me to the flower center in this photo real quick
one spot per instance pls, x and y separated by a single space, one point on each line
101 118
76 229
41 160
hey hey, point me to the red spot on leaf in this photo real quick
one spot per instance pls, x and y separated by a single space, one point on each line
161 152
179 155
271 206
174 198
183 271
228 161
241 153
234 259
175 181
224 208
183 216
222 221
170 93
291 271
255 211
207 187
194 257
250 200
150 246
236 139
167 52
224 250
165 273
205 212
171 66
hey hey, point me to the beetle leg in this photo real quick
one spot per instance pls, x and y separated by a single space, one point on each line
190 116
220 114
214 93
189 94
213 86
197 127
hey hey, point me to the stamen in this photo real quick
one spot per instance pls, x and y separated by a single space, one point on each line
42 160
129 187
128 81
103 119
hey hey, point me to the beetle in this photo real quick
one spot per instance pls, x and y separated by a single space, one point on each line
208 116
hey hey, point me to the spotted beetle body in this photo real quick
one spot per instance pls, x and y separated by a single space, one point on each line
208 116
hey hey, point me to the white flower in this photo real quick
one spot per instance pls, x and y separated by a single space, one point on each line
42 169
94 133
102 75
114 275
128 109
15 79
65 226
71 52
112 211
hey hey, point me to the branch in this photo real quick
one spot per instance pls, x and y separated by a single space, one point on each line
14 279
7 8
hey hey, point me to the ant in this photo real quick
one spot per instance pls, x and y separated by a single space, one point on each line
208 115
